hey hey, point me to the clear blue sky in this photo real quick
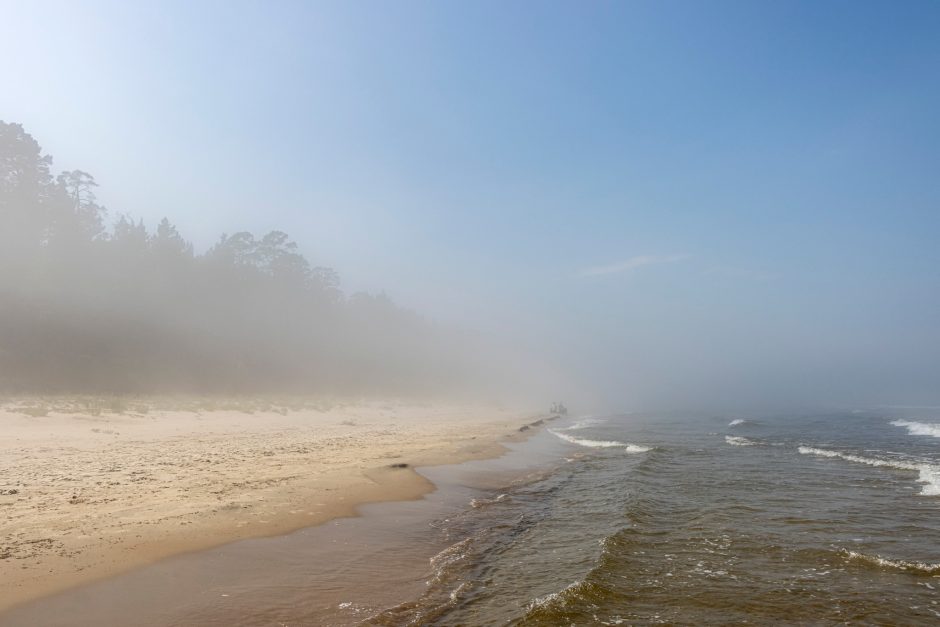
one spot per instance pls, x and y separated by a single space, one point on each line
680 198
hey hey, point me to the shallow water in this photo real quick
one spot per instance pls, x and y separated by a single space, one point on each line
631 519
807 519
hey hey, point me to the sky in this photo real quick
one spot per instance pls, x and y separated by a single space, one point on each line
674 204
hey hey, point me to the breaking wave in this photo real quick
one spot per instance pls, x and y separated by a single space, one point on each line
631 448
583 423
919 428
927 473
556 599
736 440
920 568
734 423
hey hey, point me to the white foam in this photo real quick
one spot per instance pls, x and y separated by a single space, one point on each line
583 423
736 440
919 428
899 464
921 567
927 473
477 503
930 475
737 422
631 448
559 598
449 556
455 593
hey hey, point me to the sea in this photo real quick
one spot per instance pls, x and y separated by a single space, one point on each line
628 519
683 519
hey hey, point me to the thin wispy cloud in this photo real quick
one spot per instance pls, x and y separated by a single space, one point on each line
631 264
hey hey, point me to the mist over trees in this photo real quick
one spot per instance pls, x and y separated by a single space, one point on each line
93 302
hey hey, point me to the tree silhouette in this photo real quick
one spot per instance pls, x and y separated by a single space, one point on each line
85 307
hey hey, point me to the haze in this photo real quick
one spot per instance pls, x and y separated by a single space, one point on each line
643 205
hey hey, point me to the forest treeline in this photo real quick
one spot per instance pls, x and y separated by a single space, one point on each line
97 303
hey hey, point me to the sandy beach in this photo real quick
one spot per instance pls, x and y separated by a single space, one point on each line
89 489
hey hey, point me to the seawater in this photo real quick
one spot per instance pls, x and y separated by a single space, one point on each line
810 519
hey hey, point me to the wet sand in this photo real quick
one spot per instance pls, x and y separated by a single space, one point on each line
88 495
340 573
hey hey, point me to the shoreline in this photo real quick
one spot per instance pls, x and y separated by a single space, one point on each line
237 476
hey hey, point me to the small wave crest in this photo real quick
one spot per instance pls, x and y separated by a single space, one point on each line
630 448
448 557
871 461
736 422
583 423
478 503
737 440
927 473
920 568
919 428
556 599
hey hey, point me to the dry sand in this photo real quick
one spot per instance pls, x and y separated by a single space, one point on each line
87 492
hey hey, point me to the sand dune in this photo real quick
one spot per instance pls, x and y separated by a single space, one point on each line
86 494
